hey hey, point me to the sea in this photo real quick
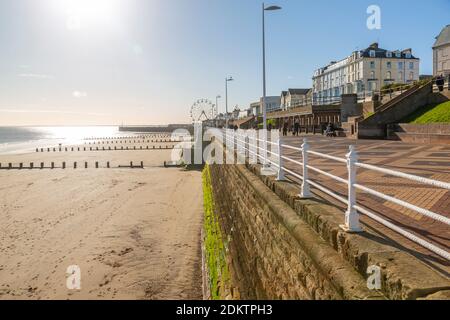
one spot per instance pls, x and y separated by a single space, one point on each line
26 139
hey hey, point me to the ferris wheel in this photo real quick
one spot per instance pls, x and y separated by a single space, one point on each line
203 109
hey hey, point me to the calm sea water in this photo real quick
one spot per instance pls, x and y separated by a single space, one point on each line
24 139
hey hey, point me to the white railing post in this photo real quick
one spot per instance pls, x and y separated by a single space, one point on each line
351 215
247 148
306 191
280 176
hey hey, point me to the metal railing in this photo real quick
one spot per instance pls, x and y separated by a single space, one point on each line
248 146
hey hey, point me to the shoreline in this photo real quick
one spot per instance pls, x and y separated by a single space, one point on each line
134 233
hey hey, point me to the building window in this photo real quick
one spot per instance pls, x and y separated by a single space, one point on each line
372 64
411 66
389 65
388 54
408 55
372 75
372 53
411 76
388 75
400 65
400 76
398 54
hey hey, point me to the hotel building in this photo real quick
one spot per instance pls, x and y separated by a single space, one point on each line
364 72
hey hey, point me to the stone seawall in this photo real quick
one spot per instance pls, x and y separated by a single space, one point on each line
281 247
273 254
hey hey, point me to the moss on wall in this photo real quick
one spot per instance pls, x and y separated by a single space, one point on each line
214 243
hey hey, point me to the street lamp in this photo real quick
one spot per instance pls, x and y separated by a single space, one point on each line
264 9
217 105
227 79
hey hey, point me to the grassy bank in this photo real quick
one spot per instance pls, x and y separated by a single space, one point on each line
214 242
431 114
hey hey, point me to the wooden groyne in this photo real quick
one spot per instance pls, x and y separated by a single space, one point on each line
64 165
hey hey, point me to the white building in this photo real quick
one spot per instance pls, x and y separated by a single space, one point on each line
364 72
441 53
294 98
273 103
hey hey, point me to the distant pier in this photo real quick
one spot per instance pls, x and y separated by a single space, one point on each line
157 129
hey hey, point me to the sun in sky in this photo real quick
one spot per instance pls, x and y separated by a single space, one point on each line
85 13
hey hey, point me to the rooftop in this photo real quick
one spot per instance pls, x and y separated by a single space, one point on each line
443 37
298 91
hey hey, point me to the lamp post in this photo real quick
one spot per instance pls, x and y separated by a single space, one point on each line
227 79
264 9
217 104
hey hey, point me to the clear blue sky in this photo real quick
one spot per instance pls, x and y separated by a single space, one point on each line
146 61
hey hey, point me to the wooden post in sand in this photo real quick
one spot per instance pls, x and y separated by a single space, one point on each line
42 165
10 165
63 165
96 165
131 164
74 165
37 149
53 165
107 164
20 165
85 165
142 164
31 165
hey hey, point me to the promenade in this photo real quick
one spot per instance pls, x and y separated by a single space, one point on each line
430 161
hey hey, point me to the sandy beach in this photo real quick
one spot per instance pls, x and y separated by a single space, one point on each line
134 233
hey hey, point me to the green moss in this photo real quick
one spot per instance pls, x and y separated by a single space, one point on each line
215 244
431 114
369 114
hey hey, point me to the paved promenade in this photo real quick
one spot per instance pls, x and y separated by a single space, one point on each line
430 161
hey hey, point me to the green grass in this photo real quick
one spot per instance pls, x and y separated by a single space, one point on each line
215 245
431 114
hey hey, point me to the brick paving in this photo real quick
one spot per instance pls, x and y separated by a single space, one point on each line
430 161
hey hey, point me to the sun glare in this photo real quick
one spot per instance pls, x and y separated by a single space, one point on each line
85 13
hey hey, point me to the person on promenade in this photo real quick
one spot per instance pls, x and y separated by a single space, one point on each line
285 128
329 132
296 127
440 82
